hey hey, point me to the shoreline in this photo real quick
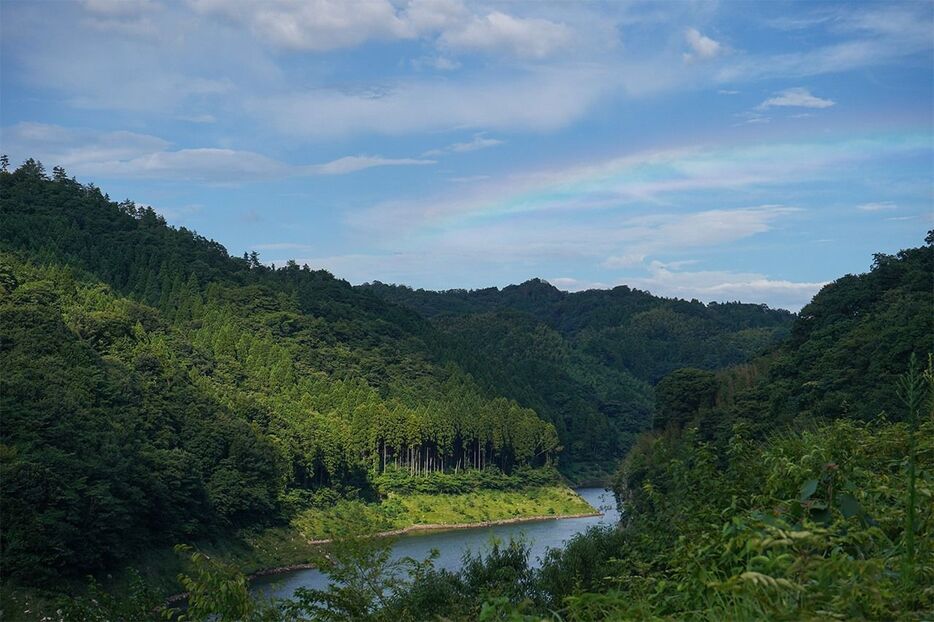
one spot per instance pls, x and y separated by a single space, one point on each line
277 570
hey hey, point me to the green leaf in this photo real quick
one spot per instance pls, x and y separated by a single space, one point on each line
808 488
848 505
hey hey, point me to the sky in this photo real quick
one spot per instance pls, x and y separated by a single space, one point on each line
721 151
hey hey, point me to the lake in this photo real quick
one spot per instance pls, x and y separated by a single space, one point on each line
451 544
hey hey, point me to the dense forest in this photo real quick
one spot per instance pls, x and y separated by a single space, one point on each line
586 361
185 391
155 388
796 486
756 496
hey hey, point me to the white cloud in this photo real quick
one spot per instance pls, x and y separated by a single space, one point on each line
128 155
531 238
649 235
210 55
120 7
796 97
483 253
498 32
726 286
488 253
161 61
666 178
702 47
751 117
623 261
204 164
867 36
879 206
73 147
535 100
351 164
313 25
179 215
198 118
467 179
322 25
479 141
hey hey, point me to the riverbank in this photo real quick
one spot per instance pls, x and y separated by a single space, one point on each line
294 545
448 546
291 547
434 527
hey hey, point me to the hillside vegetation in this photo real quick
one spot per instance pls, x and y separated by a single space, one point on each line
156 390
799 486
586 361
753 498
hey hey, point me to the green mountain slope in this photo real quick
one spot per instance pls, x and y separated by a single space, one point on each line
749 501
156 389
586 361
798 486
782 489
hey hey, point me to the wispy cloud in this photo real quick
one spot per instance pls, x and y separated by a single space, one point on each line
879 206
798 97
648 178
484 248
863 37
479 141
535 100
352 164
571 284
179 215
439 63
109 155
623 261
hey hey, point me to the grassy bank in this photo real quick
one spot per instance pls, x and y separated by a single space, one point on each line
283 546
400 511
253 551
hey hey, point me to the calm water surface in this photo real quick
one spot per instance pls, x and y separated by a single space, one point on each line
451 544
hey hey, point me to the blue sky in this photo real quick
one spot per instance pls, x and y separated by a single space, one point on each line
714 150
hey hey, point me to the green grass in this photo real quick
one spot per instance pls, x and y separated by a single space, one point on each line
400 511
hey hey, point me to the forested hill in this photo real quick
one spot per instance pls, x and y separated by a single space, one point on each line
587 360
626 329
851 343
156 390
